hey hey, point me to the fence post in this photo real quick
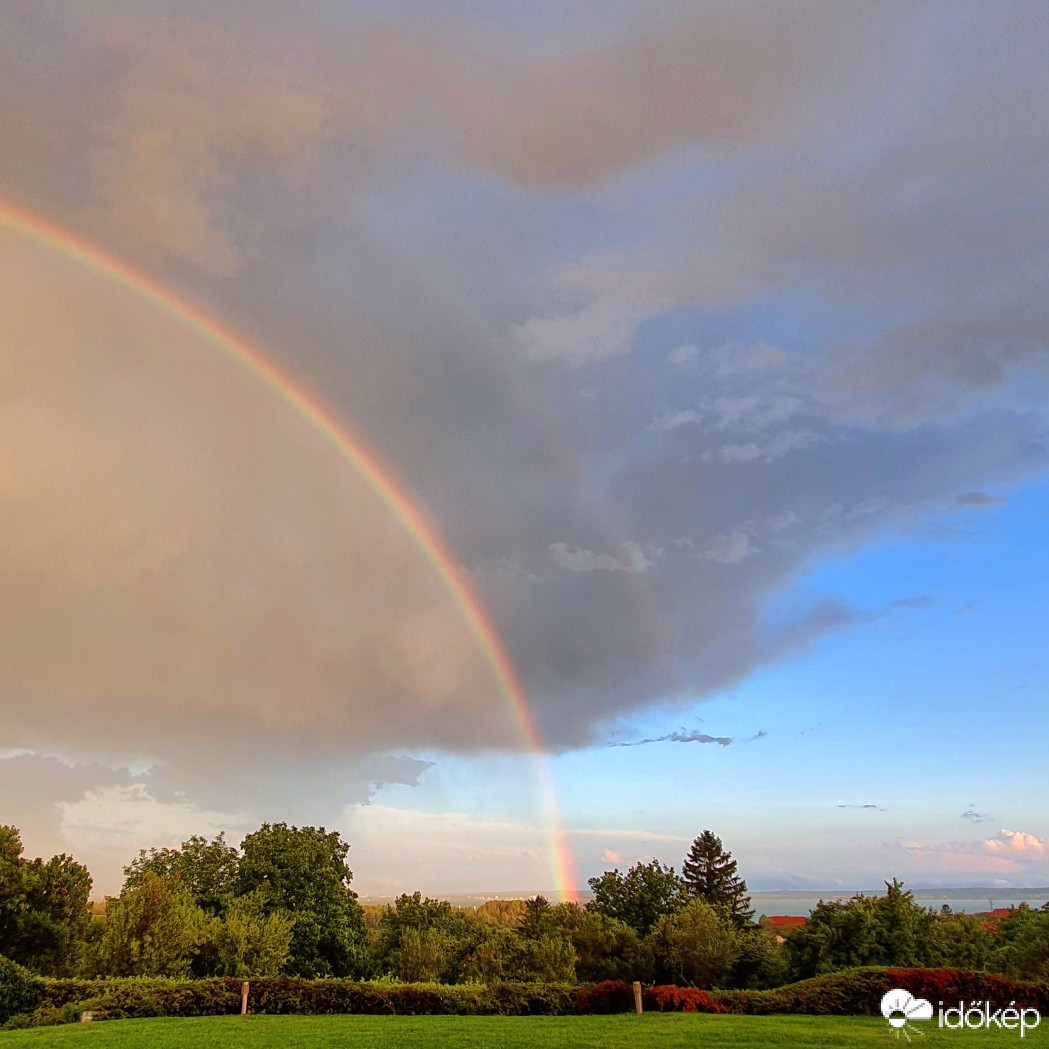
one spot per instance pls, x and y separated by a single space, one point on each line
637 997
244 998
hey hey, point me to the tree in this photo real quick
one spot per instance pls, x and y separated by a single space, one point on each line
695 945
606 948
1023 950
642 896
249 942
504 954
865 930
301 872
761 961
964 941
422 956
151 929
206 869
424 939
492 957
547 959
537 920
43 907
502 912
709 873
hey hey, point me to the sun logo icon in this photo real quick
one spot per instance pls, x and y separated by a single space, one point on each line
899 1007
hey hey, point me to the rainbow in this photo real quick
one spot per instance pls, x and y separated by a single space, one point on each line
379 477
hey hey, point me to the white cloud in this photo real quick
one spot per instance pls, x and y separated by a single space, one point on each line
781 444
782 521
682 356
672 420
446 851
635 558
603 328
756 411
109 825
612 296
1017 843
443 852
730 549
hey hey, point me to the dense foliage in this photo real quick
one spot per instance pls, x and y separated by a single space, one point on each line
281 907
640 897
207 869
43 906
18 989
301 872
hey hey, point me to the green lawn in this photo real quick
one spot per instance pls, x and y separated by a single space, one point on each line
663 1030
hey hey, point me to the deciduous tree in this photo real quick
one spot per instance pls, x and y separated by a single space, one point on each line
642 896
152 928
206 869
865 930
302 872
43 907
695 945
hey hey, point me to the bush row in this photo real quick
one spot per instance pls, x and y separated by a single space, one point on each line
127 998
27 999
859 992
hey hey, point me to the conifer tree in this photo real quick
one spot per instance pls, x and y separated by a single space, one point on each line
709 873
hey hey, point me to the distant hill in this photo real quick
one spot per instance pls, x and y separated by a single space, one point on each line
477 899
978 892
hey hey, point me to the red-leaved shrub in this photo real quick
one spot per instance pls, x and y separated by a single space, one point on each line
610 996
671 999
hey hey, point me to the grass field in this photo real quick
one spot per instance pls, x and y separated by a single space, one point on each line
664 1030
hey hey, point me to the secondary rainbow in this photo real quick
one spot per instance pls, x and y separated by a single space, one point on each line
380 478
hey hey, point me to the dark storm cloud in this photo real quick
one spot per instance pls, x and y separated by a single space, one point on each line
681 736
977 499
33 786
691 736
651 323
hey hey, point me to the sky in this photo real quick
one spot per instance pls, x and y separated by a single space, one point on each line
711 337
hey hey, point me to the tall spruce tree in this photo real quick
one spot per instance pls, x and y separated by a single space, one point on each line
709 873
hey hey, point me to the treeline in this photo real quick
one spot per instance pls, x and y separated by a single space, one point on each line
281 905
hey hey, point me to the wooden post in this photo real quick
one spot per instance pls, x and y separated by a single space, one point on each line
244 998
637 997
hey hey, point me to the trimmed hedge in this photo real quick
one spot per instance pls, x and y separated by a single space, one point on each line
128 998
30 1000
850 992
859 992
18 989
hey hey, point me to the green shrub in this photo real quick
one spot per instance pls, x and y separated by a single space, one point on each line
128 998
854 992
847 993
19 989
45 1016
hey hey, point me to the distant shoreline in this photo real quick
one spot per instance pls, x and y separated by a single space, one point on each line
968 893
977 892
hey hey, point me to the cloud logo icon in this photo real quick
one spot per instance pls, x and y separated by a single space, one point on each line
899 1007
